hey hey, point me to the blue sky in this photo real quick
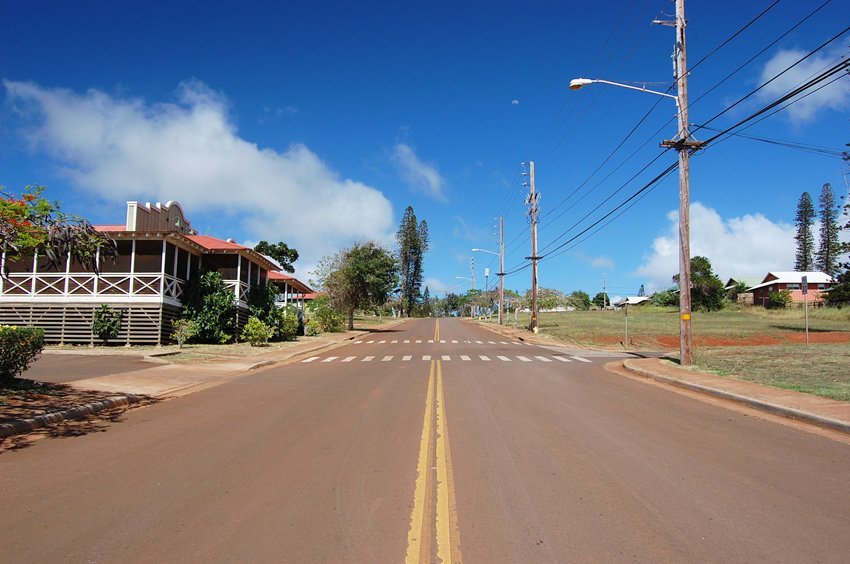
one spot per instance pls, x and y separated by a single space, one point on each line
317 123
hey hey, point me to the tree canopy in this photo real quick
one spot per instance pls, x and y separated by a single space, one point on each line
412 238
280 252
29 223
805 218
361 276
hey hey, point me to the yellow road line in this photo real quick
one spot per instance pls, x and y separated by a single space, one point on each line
444 531
421 499
437 331
448 534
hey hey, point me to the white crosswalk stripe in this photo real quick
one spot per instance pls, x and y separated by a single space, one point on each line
348 359
562 358
580 359
394 341
543 359
524 359
406 341
446 357
418 341
442 341
491 342
367 359
311 359
330 359
464 357
484 358
387 358
503 358
454 341
406 357
426 357
357 343
381 342
369 342
504 343
479 342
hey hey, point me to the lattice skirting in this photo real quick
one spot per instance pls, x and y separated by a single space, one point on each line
71 323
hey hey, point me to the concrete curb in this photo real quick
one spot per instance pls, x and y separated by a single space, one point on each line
784 411
21 426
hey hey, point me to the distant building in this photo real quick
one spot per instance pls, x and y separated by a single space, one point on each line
817 282
631 301
158 253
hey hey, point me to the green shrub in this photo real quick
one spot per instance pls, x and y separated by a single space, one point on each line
19 347
106 323
312 328
326 318
780 299
287 328
256 332
182 330
209 303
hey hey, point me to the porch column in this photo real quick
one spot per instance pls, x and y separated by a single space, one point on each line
238 288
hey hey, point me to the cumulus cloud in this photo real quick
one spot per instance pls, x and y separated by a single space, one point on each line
740 247
126 149
834 96
421 177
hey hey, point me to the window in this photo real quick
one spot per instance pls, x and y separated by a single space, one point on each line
821 286
793 286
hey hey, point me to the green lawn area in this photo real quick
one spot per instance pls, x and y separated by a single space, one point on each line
754 344
821 370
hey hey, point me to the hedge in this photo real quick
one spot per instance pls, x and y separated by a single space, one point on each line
19 347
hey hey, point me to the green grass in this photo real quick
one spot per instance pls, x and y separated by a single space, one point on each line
821 370
774 355
647 323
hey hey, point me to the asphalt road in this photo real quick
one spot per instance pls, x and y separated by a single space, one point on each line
469 446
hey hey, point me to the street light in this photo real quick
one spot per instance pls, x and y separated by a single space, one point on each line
683 144
501 276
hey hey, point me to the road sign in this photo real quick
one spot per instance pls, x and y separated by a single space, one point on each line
805 285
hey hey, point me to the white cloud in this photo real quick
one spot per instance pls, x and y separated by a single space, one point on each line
189 151
600 262
739 247
420 177
834 96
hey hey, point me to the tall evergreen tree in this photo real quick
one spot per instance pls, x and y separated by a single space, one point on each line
412 238
826 258
803 261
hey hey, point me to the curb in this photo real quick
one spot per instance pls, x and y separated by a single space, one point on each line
784 411
21 426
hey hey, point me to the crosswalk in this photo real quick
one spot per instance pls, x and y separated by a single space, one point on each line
435 342
446 358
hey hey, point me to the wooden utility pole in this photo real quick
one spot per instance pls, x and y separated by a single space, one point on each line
684 145
501 267
532 201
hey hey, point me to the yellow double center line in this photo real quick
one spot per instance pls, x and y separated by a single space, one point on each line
433 520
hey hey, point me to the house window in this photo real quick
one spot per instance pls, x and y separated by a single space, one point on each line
821 286
793 286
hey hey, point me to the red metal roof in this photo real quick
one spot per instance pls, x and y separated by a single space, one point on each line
104 228
215 244
277 276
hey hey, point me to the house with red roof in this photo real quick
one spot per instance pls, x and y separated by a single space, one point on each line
158 253
817 283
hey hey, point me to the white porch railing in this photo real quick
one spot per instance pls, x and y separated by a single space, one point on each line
79 285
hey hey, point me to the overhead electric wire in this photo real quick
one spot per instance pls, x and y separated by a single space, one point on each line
815 149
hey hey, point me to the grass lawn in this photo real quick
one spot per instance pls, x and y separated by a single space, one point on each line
754 344
821 370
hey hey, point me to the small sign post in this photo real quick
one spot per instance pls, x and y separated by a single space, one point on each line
805 289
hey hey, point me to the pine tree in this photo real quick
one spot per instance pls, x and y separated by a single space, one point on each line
412 238
805 238
826 258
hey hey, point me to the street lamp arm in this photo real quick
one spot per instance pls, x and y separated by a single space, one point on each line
486 251
578 83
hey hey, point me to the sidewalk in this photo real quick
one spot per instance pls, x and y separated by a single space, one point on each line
164 380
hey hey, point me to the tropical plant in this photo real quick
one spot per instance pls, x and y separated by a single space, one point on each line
210 304
779 299
601 300
182 330
256 332
707 290
106 323
579 300
19 347
30 223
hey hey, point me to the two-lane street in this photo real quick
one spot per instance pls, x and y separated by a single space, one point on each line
432 440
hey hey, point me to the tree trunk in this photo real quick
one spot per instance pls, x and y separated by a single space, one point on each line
350 319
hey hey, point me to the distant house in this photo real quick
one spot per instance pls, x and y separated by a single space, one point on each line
291 291
158 253
632 301
817 283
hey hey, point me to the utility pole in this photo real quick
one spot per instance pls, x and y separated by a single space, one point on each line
604 292
501 267
684 145
532 201
472 269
